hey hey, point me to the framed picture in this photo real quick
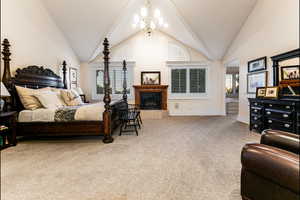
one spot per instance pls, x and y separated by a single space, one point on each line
259 64
290 72
260 92
73 77
150 78
272 92
255 80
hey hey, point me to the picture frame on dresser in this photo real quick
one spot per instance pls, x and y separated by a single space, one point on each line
255 80
272 92
258 64
260 92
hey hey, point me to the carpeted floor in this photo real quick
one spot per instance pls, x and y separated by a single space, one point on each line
176 158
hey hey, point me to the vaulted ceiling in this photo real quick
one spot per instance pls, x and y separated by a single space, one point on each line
208 26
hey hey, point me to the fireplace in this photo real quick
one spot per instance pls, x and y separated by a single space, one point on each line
150 100
151 97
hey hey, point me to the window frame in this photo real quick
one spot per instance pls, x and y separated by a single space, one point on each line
188 66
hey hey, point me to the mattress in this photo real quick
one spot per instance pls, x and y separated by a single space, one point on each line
87 112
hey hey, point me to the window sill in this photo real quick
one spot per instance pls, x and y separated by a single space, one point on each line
188 97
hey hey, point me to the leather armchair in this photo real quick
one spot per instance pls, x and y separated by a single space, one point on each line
270 170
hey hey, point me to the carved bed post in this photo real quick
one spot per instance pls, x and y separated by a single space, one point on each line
6 58
6 78
64 64
106 99
124 82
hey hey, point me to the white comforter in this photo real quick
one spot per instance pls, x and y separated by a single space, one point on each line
87 112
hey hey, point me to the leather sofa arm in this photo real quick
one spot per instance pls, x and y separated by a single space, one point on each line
271 163
280 139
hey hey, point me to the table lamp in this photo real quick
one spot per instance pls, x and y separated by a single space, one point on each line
3 93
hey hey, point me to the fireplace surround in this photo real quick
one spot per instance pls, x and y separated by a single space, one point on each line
150 96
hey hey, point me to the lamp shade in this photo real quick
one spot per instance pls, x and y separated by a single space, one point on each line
3 91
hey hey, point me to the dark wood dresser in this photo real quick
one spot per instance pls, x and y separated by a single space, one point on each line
275 114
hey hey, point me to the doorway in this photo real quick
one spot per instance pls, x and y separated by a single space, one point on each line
232 88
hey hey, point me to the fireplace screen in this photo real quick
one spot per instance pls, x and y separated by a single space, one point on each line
150 100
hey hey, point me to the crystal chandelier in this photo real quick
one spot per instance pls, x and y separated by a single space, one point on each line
148 19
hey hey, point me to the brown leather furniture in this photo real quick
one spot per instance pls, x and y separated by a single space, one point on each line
270 170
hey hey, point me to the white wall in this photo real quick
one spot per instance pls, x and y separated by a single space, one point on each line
34 37
272 28
151 54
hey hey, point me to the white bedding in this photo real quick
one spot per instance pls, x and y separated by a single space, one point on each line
87 112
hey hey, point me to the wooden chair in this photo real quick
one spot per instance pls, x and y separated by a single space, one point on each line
137 109
129 118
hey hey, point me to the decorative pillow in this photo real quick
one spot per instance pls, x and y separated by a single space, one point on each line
29 101
71 97
49 99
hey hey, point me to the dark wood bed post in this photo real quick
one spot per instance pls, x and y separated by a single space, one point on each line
106 99
124 82
64 64
6 59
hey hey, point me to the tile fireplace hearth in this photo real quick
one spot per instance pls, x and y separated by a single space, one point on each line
151 97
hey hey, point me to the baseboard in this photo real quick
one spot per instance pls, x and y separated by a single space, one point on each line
194 115
242 119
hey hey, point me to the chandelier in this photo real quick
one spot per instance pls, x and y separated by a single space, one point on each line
148 19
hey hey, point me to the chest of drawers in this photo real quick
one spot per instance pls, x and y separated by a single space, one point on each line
274 114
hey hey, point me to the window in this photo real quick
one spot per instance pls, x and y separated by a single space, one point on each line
178 80
116 75
188 80
197 81
116 81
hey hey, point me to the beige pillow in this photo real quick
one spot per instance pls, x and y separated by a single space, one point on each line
29 101
58 92
71 97
49 99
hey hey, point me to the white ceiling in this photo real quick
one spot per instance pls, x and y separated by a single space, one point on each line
208 26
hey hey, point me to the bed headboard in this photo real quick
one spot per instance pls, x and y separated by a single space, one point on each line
30 77
37 77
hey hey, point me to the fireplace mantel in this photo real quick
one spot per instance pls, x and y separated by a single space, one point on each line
152 88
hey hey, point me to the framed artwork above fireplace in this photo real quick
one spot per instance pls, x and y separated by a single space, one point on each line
150 78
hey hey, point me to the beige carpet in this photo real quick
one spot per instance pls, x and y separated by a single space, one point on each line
178 158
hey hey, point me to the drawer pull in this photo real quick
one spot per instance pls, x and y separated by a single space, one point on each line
268 113
287 125
285 115
288 107
255 125
255 104
270 105
255 110
270 121
255 118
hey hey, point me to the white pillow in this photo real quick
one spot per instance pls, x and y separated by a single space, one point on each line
29 101
71 97
49 99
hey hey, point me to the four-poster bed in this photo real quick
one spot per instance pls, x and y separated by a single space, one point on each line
39 77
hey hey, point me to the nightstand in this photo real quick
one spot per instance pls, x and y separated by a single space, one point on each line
8 119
